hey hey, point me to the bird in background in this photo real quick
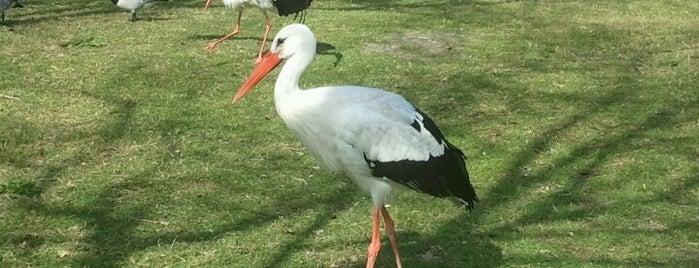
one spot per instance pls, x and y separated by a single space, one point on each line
377 138
133 5
5 5
283 7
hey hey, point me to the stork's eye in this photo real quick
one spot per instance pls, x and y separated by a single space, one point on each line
280 41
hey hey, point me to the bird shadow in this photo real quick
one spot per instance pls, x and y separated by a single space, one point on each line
177 4
451 245
328 49
439 249
7 24
213 37
151 19
321 48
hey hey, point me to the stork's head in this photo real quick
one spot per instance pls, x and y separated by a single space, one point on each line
292 40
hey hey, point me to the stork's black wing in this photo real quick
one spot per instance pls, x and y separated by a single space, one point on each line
442 175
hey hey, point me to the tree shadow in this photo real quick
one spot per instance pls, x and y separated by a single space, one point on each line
330 204
39 11
111 227
43 11
397 5
572 199
112 238
110 220
454 244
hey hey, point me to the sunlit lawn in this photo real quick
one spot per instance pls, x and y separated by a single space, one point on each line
119 145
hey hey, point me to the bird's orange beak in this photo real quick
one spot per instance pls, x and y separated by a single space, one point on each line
268 62
208 3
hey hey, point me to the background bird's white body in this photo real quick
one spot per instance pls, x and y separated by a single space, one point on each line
243 4
5 5
131 5
134 5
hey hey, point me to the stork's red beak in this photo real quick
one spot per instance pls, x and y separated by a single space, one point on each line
268 62
208 3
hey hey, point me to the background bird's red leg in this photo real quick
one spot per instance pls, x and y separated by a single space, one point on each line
391 235
268 26
375 244
235 31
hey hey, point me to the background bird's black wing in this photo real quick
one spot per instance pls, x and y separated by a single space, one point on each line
288 7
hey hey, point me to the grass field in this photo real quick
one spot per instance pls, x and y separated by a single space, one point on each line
119 145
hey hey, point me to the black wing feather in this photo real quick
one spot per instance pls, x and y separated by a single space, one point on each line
288 7
440 176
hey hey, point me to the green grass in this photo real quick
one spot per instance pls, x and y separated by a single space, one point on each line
119 145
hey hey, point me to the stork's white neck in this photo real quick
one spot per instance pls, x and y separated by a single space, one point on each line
288 80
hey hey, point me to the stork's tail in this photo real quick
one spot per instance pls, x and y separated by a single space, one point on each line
469 196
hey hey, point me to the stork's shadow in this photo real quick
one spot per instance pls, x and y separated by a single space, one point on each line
328 49
149 19
217 36
321 48
437 249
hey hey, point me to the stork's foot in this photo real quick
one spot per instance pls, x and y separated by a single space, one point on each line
211 46
214 44
390 230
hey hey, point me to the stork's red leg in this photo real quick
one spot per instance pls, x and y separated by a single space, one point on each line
391 235
235 31
268 26
375 244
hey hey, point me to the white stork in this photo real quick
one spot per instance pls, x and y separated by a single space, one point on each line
133 5
375 137
283 7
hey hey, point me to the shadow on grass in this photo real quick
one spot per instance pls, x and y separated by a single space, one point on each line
112 238
330 204
328 49
232 39
111 221
472 251
50 10
618 90
111 227
321 48
398 5
453 244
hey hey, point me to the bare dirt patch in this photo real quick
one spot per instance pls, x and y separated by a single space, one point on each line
412 44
